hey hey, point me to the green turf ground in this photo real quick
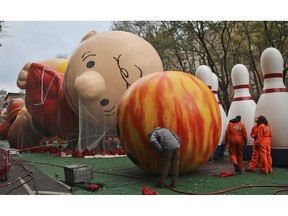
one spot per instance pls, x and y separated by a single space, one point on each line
119 176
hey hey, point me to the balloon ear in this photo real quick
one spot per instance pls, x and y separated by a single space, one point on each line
88 35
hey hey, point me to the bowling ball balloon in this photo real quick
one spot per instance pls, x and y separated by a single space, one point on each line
174 100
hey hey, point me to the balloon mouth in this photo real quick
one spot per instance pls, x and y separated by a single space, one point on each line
110 112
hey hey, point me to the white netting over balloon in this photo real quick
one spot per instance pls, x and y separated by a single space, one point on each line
95 135
91 130
75 100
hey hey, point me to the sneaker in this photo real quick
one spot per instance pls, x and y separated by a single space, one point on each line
249 170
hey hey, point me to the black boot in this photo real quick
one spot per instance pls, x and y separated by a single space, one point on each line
236 168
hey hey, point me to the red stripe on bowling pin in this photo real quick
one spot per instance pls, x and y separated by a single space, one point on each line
242 98
273 75
273 90
240 86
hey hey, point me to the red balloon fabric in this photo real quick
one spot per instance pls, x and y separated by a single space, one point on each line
226 174
45 101
147 191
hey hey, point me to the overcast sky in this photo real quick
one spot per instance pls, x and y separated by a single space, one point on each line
39 40
36 41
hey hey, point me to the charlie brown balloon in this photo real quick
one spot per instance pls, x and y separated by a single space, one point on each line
102 68
97 74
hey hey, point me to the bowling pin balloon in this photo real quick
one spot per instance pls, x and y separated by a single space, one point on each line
204 73
242 103
219 152
273 103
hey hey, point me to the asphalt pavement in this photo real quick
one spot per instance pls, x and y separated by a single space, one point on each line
25 179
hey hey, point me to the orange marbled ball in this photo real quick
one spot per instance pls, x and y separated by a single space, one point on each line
175 100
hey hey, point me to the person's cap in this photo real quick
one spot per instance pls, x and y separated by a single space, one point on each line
238 118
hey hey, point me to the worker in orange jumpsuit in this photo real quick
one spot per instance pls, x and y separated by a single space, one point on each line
236 138
264 139
256 149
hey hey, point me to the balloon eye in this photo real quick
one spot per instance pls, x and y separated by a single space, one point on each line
104 102
90 64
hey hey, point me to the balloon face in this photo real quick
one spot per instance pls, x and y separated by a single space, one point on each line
175 100
102 68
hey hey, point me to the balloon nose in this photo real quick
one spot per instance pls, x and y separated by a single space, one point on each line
90 85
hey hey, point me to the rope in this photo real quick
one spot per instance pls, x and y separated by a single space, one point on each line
279 191
41 146
227 190
55 144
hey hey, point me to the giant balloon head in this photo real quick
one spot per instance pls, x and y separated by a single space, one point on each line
175 100
102 68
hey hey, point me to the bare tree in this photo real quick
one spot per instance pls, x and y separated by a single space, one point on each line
3 32
62 56
217 44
